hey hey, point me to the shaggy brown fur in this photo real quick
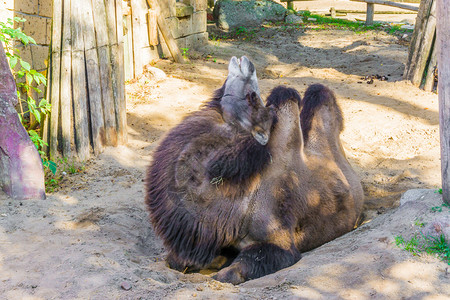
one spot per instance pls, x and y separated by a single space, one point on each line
308 196
195 205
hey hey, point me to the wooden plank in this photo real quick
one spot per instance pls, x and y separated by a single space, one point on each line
104 58
128 49
152 27
55 69
369 14
45 129
140 34
112 13
81 128
429 80
425 46
97 122
122 112
417 38
390 3
66 83
443 43
167 35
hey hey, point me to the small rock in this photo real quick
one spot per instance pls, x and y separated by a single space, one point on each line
410 27
293 19
312 19
125 285
404 36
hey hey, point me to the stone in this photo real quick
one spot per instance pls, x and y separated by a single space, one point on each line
293 19
231 14
439 226
196 40
36 27
183 10
199 22
21 170
199 5
413 195
39 55
45 8
407 27
26 6
125 285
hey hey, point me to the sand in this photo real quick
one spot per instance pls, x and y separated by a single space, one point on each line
91 238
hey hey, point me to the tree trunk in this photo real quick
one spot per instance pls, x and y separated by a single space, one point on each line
87 82
21 171
443 44
422 43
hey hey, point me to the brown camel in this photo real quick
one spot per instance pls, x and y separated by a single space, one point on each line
306 197
203 168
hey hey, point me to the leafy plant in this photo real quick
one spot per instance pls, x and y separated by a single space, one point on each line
185 52
328 22
428 244
27 80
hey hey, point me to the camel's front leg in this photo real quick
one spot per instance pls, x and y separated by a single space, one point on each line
258 260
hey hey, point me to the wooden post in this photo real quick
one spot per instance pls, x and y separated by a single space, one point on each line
290 5
66 83
152 27
432 65
121 112
165 31
104 58
93 81
443 43
81 128
370 13
55 71
425 47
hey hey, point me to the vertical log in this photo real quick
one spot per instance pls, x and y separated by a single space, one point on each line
45 129
167 35
443 43
122 107
369 14
97 123
414 46
55 70
429 80
128 47
140 34
116 65
66 84
425 47
99 13
152 27
81 128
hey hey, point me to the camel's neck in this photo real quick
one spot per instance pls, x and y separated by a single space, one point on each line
286 139
324 135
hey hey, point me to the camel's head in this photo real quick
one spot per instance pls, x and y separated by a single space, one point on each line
261 118
240 88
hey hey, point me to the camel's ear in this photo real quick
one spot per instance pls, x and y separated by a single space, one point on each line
252 99
233 67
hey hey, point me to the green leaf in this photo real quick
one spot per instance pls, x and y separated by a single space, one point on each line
25 65
29 78
13 62
52 166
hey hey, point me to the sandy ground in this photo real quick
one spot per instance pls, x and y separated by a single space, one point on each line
91 239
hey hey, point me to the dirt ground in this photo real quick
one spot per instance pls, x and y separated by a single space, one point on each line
91 239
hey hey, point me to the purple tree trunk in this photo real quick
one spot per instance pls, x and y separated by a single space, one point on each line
21 172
